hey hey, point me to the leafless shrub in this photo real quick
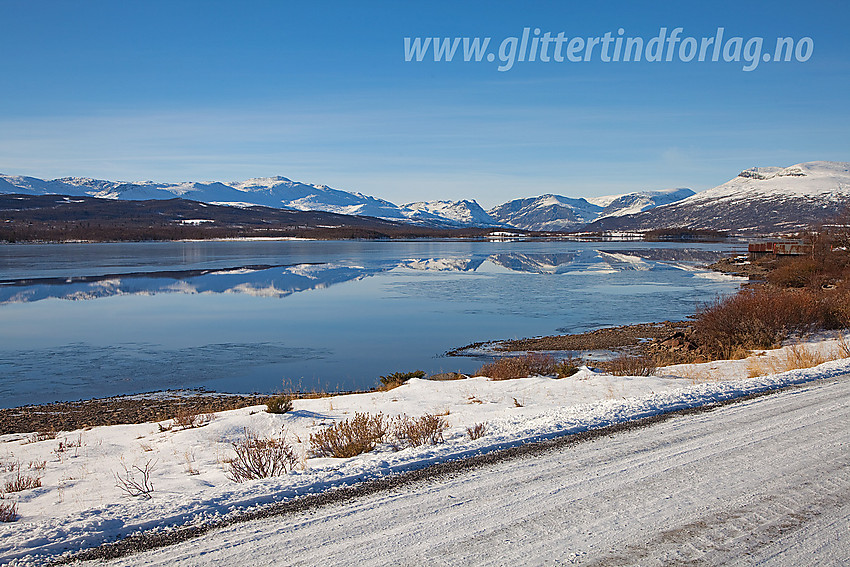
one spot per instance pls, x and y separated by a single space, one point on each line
476 431
260 458
425 430
629 365
522 366
755 319
22 482
188 419
136 480
351 437
8 511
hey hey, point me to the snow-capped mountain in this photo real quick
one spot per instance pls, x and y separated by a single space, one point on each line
758 200
463 212
631 203
555 212
277 192
765 199
547 212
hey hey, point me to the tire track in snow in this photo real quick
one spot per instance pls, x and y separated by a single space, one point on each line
703 489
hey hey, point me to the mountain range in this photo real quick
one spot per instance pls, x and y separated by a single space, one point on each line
764 199
761 200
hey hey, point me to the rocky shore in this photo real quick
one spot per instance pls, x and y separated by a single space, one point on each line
627 338
67 416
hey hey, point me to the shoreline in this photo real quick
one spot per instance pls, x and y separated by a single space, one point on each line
164 405
642 339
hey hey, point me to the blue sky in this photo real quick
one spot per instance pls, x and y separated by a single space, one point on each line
319 92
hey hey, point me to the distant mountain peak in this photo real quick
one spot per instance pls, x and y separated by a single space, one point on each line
556 212
758 200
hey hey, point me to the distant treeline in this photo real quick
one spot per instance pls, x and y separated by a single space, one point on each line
683 234
128 231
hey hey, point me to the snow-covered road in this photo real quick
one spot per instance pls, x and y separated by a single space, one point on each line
764 481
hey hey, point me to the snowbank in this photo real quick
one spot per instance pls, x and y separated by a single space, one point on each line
79 504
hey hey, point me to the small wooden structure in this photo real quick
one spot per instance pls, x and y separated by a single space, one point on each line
779 248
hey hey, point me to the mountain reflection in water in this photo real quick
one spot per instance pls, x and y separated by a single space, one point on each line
280 281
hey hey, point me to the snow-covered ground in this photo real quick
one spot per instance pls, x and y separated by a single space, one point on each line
79 504
762 482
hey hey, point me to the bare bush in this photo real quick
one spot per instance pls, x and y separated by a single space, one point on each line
188 419
755 319
425 430
136 480
523 366
8 511
476 431
629 365
22 482
282 403
351 437
260 458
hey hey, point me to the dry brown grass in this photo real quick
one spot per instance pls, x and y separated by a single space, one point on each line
510 367
43 435
629 365
843 346
425 430
8 511
260 458
22 482
351 437
795 357
698 375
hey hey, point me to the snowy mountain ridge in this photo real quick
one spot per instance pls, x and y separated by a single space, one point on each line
757 200
548 212
556 212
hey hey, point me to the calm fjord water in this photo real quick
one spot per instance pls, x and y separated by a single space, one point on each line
85 320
